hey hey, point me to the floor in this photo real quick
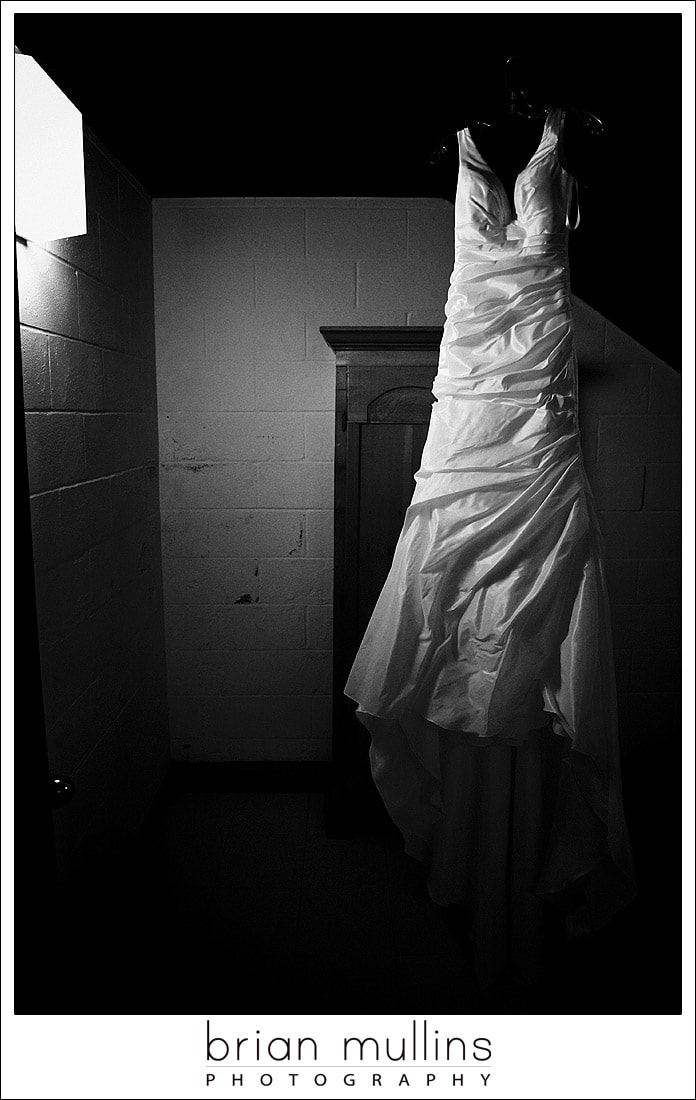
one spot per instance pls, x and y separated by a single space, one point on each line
237 901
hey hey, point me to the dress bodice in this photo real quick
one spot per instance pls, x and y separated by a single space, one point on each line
542 196
508 325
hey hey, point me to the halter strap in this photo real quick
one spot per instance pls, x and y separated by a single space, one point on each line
573 188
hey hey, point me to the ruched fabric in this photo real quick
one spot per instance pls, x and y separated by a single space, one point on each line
485 675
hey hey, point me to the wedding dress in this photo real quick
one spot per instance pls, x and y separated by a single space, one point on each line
485 675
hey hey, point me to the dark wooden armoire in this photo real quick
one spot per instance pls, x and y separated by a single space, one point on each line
384 379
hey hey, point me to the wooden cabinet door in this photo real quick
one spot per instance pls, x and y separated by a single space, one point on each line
390 454
384 399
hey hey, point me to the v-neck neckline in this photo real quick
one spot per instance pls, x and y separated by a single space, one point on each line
511 206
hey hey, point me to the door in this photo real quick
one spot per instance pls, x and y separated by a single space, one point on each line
384 400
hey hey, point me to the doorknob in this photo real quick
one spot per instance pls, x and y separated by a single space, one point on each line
62 791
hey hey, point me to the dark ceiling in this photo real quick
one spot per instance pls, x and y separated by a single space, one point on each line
272 105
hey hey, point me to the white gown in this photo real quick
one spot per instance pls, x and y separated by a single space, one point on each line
485 675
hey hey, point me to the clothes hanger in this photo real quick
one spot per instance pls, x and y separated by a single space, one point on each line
518 106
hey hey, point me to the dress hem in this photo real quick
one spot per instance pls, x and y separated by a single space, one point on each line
587 806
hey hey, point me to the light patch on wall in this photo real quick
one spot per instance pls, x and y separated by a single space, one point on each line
49 160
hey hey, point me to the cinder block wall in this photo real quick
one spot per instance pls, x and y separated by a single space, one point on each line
246 399
630 421
87 329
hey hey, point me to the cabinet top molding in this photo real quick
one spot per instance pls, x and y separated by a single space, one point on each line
383 336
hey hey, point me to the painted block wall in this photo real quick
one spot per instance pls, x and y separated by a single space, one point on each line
87 331
246 399
630 422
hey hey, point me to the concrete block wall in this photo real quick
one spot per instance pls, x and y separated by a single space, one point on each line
630 422
87 332
246 388
246 399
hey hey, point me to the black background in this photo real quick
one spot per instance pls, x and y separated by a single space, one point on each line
259 105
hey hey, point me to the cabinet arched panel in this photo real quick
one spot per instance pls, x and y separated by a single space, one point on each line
401 405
